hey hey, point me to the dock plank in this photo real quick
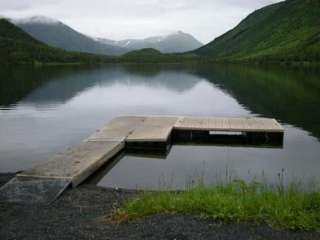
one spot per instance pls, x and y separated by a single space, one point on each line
77 163
229 124
118 129
153 129
150 134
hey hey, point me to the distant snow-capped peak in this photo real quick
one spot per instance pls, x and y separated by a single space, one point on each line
36 19
165 36
177 33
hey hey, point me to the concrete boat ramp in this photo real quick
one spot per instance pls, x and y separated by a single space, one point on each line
143 134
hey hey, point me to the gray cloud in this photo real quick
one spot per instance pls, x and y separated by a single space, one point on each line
118 19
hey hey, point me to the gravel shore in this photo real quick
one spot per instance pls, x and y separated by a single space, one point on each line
82 213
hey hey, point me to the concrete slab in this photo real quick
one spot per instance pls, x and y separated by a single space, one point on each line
160 121
150 134
77 163
118 129
153 129
26 190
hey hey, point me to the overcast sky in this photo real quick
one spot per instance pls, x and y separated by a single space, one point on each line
120 19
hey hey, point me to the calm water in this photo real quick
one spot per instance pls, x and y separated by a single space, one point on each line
45 110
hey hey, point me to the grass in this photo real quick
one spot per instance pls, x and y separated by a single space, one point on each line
289 208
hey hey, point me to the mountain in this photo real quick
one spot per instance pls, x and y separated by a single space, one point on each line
18 47
56 34
177 42
151 55
286 31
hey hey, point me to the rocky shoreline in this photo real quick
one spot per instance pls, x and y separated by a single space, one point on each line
83 213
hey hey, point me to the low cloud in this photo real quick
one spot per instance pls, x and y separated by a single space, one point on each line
119 19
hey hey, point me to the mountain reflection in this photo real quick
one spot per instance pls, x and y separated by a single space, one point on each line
290 95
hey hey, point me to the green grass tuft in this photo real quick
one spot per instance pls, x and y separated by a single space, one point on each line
288 208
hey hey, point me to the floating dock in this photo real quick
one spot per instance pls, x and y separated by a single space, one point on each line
45 182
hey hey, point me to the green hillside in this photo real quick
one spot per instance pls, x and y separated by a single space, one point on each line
17 47
286 31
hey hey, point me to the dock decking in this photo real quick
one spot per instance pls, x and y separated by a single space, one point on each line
45 182
229 124
77 163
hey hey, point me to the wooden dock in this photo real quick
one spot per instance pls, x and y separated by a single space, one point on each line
45 182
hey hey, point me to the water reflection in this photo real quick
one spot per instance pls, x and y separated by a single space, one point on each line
290 95
46 110
186 165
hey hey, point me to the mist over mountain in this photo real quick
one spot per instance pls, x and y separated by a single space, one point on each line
18 47
57 34
177 42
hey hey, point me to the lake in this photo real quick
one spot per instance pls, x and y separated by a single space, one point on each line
44 110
